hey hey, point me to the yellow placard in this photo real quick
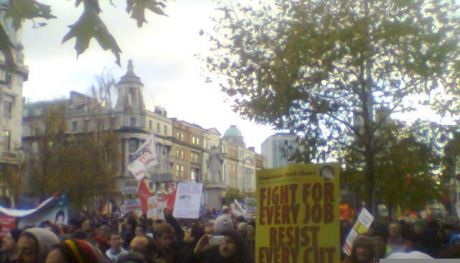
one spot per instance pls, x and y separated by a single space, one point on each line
298 214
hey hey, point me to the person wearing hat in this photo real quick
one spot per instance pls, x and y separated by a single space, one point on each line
75 251
9 243
34 244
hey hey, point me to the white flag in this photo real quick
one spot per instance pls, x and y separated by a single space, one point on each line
144 158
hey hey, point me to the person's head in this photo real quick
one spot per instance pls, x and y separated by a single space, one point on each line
419 226
74 250
103 231
86 225
223 223
34 245
139 231
394 230
362 250
209 228
233 246
164 235
10 240
242 229
115 241
142 246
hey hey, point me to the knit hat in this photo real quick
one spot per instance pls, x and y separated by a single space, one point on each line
81 251
45 241
222 223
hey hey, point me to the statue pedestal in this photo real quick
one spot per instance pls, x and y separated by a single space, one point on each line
214 194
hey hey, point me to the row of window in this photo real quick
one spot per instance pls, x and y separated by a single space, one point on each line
158 128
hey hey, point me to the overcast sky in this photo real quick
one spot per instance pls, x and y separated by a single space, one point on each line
164 53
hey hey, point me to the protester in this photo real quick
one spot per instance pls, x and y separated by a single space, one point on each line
395 242
164 242
223 223
102 237
191 238
34 245
251 240
233 250
115 251
142 245
362 251
75 251
9 243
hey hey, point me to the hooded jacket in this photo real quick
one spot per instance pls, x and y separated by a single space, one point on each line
45 241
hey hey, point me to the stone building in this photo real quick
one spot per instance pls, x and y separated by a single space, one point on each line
183 148
11 83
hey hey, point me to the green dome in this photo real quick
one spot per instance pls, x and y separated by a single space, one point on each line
233 131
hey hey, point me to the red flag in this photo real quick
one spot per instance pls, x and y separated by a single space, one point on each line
171 200
144 195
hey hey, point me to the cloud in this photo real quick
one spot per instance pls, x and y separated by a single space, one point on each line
164 53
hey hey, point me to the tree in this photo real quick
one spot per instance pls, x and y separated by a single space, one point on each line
231 195
84 166
332 71
406 171
88 26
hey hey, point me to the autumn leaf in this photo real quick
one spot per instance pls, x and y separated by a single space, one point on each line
19 10
89 26
137 9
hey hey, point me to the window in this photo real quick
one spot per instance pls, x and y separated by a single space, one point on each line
74 126
158 128
86 125
100 125
6 140
5 78
112 122
182 154
165 129
132 122
8 107
193 175
133 145
150 125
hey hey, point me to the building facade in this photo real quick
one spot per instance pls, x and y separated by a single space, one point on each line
183 148
11 83
277 148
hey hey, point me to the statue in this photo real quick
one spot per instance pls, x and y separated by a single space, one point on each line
214 163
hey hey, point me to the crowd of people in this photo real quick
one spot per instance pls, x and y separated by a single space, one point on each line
215 237
418 238
133 239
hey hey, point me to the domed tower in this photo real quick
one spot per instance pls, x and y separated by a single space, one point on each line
130 99
234 135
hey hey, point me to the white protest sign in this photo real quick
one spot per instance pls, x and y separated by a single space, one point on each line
156 207
188 199
143 158
361 226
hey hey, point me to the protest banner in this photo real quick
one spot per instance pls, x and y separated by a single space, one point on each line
188 200
131 206
7 223
157 205
361 226
298 214
143 158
